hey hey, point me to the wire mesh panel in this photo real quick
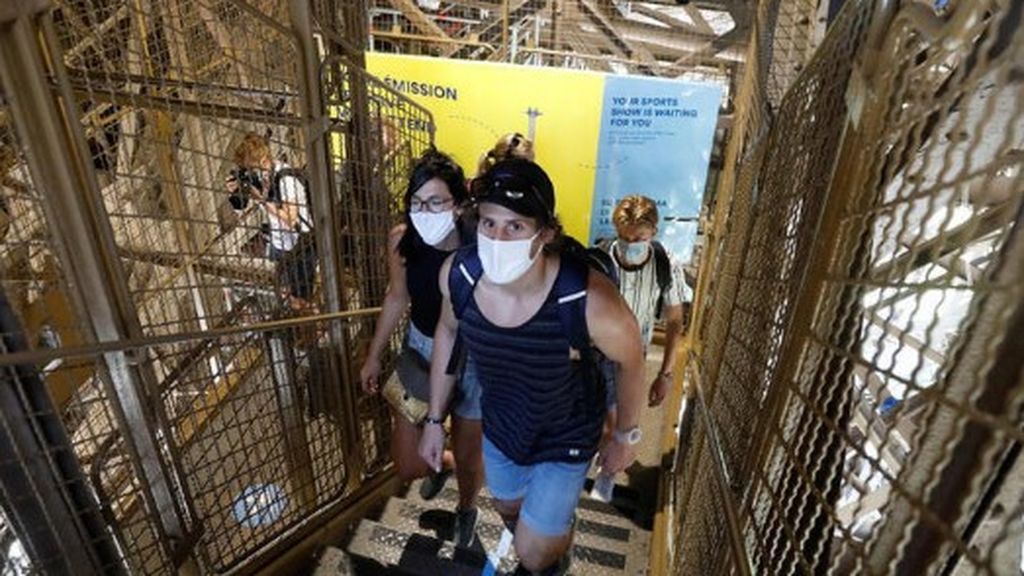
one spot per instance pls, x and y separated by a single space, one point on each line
33 279
794 38
931 295
244 384
789 195
168 90
771 217
264 449
860 363
102 452
65 401
376 134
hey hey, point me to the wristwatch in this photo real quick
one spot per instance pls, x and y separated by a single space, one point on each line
631 437
432 420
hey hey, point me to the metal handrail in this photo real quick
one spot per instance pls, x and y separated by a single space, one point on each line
721 470
49 354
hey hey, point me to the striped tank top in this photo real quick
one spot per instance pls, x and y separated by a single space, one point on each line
538 404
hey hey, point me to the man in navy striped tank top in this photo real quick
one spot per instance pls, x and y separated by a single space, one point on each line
542 409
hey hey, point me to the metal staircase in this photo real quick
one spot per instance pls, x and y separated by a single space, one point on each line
413 537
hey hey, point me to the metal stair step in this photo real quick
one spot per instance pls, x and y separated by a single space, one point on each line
391 550
437 522
395 551
606 542
334 562
619 513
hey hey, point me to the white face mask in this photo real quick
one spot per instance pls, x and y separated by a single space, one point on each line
505 260
634 253
433 228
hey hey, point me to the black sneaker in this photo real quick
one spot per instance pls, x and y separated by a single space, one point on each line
433 484
465 527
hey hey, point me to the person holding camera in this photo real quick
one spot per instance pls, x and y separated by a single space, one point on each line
281 193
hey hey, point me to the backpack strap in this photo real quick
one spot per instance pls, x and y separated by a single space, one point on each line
663 274
571 291
463 277
662 266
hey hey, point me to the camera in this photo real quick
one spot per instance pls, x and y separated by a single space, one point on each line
247 178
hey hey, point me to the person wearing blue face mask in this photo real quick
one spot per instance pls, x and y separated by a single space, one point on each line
542 408
416 249
650 279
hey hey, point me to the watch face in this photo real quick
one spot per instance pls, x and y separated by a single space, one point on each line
631 436
634 436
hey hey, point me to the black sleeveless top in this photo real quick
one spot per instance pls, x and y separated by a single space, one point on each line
421 272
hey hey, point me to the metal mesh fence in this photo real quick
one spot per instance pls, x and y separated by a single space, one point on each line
207 399
376 133
855 343
62 400
33 278
795 33
113 473
168 91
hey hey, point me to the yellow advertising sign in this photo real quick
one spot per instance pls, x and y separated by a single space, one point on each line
474 103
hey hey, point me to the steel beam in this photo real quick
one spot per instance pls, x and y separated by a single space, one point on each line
325 217
43 490
289 409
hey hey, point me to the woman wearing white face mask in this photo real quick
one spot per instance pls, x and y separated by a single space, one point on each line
542 411
417 248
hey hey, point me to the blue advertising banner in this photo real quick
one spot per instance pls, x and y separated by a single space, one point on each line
655 140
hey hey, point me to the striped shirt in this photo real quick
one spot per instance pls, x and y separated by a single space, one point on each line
538 405
639 287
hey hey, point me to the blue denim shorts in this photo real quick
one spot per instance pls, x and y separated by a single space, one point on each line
550 490
466 400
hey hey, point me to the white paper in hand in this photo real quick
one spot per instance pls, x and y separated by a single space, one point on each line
603 486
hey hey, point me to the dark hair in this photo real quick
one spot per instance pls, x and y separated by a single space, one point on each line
432 164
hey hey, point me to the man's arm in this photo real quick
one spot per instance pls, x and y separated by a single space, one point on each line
615 332
673 328
431 446
672 310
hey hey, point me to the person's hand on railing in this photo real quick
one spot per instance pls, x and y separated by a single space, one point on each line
369 375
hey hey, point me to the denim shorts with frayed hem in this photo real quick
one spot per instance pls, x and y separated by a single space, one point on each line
550 490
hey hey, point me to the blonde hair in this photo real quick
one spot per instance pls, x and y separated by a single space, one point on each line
635 210
511 145
252 150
